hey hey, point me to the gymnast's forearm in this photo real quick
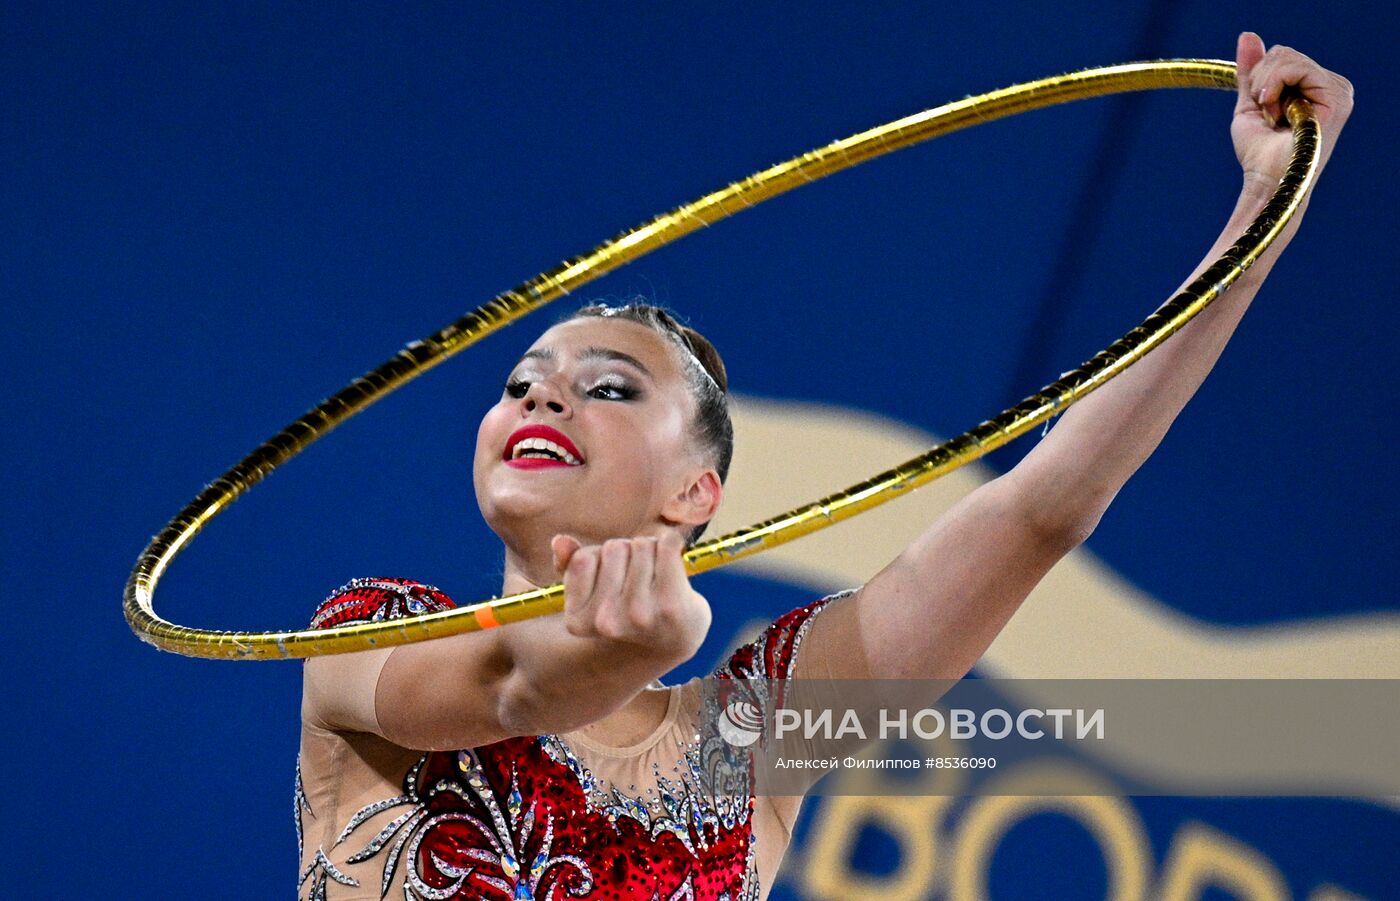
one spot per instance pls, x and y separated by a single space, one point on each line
1078 468
1073 475
562 682
525 678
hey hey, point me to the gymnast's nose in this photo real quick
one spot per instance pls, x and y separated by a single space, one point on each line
543 393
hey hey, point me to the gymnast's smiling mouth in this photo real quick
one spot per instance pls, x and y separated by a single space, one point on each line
539 446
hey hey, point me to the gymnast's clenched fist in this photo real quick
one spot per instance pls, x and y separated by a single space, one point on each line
633 592
1263 141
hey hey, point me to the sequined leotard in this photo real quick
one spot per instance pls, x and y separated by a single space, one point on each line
548 816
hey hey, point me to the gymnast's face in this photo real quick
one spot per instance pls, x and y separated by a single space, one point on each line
591 437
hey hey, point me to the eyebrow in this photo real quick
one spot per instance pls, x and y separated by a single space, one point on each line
591 353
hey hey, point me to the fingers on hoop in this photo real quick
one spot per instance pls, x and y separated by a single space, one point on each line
638 608
671 580
1265 81
625 588
580 580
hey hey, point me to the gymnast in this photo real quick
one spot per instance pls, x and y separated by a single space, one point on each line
545 759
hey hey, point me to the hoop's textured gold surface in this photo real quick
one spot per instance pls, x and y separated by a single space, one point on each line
420 356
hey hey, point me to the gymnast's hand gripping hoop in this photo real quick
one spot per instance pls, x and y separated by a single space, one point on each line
420 356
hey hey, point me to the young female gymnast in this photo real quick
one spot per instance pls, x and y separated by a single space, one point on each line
543 759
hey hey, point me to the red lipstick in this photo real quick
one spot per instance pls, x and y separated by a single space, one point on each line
537 430
538 463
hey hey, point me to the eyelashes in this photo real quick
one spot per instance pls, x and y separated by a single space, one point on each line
608 389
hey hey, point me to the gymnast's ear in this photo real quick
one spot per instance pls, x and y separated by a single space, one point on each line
697 500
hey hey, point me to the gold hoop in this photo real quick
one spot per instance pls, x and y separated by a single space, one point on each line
420 356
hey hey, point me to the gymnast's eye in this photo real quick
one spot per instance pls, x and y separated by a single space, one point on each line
612 390
517 387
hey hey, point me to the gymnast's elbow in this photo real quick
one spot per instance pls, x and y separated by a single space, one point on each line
1065 533
522 708
1059 524
438 699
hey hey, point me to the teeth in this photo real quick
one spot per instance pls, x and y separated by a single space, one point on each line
543 448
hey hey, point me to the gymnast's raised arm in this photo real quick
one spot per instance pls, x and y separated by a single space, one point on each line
935 609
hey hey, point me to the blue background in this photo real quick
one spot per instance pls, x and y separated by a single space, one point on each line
213 216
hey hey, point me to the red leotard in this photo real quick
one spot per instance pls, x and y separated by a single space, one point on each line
524 817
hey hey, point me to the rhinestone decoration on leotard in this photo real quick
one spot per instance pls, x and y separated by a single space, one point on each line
523 818
300 804
710 793
444 814
375 600
318 871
